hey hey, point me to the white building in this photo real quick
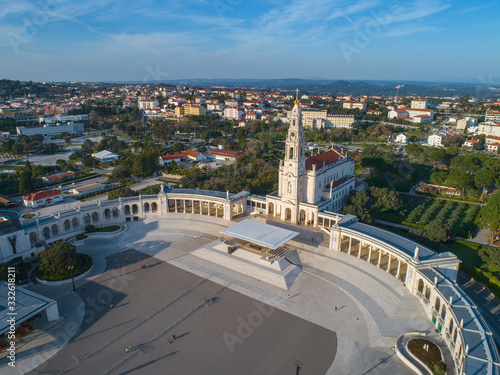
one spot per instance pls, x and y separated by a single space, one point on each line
340 121
413 112
435 140
489 128
318 119
350 104
105 156
465 123
43 198
398 113
61 118
233 113
491 139
147 104
401 138
492 116
419 103
52 130
88 189
309 185
493 147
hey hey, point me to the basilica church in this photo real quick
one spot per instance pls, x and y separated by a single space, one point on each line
309 185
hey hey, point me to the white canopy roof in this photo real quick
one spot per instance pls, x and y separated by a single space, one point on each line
259 233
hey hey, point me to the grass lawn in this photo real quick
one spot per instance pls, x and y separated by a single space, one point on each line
417 133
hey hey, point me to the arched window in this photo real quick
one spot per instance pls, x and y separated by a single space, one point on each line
95 217
127 210
420 287
46 233
55 230
134 209
107 213
75 222
146 207
154 207
437 305
289 187
115 212
67 225
290 155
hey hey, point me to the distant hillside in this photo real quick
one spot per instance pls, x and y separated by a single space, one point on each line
351 87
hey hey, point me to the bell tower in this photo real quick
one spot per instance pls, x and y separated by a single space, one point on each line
292 182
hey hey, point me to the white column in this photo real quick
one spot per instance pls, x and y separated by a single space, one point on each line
359 252
350 242
379 257
399 268
389 264
370 253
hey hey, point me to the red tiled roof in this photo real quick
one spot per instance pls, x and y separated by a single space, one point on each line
174 156
59 175
42 195
322 159
419 110
228 153
192 153
337 183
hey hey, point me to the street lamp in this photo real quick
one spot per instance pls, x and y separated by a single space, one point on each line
70 267
297 365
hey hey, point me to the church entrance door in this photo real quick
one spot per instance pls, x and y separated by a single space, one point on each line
302 217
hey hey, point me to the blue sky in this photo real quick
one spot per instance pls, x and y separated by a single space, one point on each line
104 40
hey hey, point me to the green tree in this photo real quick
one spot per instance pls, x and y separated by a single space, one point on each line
357 204
50 148
490 215
438 232
26 184
177 148
490 256
55 261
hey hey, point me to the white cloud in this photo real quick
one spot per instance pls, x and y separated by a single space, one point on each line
478 7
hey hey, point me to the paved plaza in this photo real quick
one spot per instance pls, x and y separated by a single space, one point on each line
342 315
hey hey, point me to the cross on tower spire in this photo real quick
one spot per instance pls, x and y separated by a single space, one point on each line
297 97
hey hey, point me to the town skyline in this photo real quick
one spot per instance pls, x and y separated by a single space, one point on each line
426 41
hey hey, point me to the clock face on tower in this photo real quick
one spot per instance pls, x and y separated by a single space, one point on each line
292 134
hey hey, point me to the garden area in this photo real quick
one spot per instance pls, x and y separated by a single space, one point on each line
428 353
60 260
419 212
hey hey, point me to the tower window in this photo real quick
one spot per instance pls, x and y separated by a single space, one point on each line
291 153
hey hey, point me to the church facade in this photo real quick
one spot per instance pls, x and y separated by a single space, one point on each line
309 185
